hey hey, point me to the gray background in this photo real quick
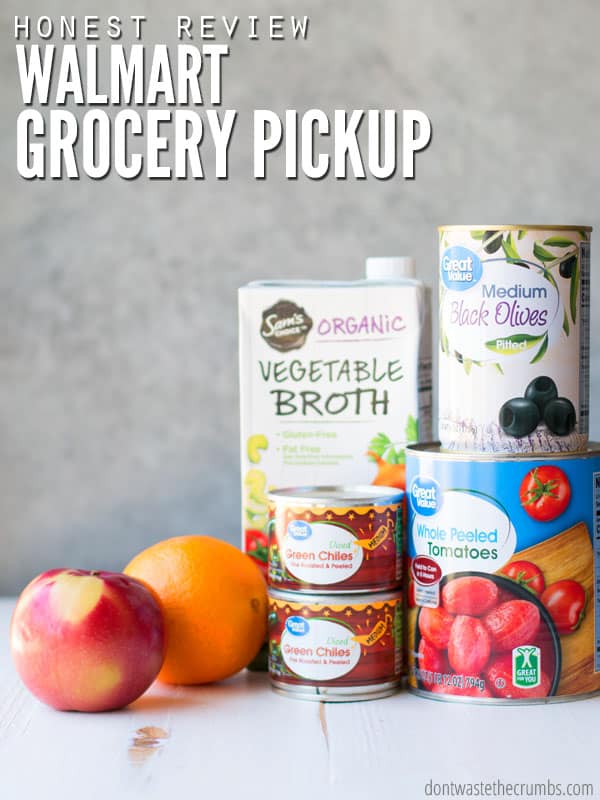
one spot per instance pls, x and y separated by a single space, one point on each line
118 374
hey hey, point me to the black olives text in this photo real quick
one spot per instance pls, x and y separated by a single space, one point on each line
541 390
492 241
519 416
559 416
567 267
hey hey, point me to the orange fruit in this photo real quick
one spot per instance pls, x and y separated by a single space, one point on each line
214 601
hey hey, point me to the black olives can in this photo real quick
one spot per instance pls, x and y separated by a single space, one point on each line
514 338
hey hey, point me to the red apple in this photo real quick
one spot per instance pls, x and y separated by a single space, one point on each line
87 641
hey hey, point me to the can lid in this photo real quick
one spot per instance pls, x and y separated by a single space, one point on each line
515 227
335 599
437 452
382 268
338 495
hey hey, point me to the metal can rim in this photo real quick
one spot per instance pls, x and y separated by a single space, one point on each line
338 496
434 449
336 694
329 598
514 227
501 701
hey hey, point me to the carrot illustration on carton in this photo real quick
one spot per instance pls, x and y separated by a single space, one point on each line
389 456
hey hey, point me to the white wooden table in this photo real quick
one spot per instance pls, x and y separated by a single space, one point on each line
239 739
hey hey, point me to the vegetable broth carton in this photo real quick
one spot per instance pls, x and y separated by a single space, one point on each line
335 380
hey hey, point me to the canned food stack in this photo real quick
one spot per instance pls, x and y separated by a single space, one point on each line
335 600
504 513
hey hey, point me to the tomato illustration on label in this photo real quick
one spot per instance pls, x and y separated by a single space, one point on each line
565 602
432 662
545 493
435 625
470 595
513 623
470 645
526 574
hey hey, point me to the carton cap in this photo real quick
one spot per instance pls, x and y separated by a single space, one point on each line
390 268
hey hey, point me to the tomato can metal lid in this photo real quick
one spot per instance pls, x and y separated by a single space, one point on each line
435 450
339 496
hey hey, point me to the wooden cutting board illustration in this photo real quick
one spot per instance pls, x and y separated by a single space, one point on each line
570 555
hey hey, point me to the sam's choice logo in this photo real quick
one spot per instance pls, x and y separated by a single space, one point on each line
425 496
297 626
299 530
461 268
285 326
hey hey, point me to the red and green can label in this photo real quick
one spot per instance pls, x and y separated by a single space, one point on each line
340 549
316 641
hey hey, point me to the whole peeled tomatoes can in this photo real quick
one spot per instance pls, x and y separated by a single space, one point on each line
514 338
503 601
335 648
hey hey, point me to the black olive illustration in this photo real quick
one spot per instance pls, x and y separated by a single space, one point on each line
567 267
492 241
559 416
519 416
541 390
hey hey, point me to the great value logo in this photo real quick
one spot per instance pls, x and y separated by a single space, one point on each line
297 626
461 268
299 530
425 496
